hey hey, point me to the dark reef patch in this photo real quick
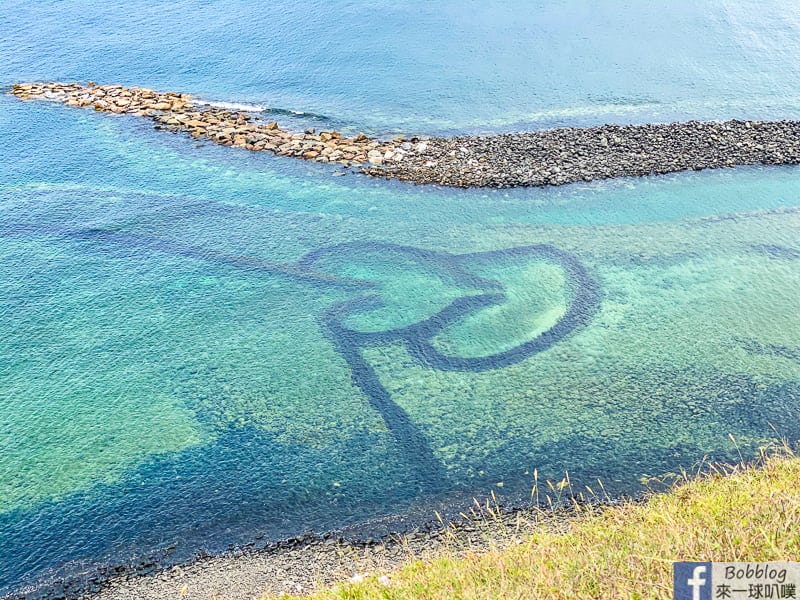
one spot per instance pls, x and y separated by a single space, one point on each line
777 350
776 251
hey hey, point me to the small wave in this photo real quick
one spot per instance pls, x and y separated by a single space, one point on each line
247 107
244 106
298 113
233 106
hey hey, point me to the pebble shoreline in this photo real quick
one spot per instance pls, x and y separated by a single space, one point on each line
542 158
312 565
306 564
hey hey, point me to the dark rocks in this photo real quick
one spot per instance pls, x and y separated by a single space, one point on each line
560 156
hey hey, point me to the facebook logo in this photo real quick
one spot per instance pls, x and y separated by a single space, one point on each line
692 580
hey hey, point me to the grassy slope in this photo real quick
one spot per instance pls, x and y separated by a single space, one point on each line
621 552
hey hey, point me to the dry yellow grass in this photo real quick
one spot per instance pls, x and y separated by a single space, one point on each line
750 512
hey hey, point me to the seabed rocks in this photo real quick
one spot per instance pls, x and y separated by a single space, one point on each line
542 158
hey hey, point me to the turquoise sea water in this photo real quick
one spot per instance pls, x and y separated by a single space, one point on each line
201 346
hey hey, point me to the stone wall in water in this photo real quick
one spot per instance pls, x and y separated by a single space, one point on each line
552 157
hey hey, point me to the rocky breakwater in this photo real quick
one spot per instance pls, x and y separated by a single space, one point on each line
560 156
551 157
181 113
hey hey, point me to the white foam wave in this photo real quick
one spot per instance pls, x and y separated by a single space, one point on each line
233 105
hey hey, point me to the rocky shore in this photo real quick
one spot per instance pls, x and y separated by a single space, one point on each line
551 157
307 563
312 565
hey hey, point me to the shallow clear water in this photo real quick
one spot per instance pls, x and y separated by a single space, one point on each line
202 346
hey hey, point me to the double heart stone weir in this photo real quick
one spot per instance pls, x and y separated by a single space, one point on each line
417 337
349 343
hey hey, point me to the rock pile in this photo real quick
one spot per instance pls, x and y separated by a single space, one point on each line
180 113
560 156
552 157
109 98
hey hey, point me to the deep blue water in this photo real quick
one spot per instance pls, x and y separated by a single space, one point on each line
449 65
201 346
